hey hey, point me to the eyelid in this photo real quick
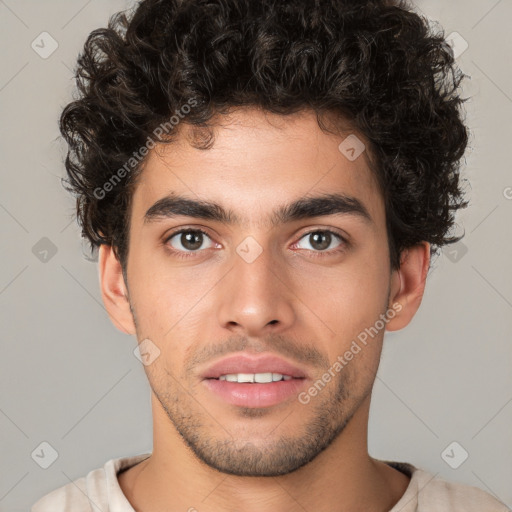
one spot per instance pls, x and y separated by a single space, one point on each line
327 229
186 229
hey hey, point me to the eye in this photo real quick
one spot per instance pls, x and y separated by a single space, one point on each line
322 240
189 240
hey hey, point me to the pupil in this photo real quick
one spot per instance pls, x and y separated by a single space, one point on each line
321 245
192 240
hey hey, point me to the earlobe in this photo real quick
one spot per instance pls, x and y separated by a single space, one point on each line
113 290
408 285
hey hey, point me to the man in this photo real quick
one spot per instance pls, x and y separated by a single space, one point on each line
266 182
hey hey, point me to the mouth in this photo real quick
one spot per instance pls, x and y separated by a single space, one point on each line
247 368
246 381
258 378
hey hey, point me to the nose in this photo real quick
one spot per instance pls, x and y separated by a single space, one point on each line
256 297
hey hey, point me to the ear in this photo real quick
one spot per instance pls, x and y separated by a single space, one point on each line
114 291
408 285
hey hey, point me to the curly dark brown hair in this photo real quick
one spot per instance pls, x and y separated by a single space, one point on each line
377 63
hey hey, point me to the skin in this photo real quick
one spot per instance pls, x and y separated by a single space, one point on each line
208 454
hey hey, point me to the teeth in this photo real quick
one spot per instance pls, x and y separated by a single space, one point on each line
255 377
262 377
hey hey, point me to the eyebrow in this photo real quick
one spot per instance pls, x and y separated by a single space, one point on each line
306 207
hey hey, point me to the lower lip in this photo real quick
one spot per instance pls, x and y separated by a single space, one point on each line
247 394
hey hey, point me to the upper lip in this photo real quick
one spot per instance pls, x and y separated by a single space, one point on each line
250 364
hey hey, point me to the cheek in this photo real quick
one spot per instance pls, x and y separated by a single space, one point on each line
348 296
165 294
171 308
349 299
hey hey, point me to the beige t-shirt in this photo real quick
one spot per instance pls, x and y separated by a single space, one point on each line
99 491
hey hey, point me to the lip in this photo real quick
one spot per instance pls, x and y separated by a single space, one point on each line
247 364
245 394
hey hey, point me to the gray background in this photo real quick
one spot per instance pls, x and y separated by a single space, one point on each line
69 378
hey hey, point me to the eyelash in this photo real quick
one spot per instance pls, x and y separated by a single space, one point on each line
190 254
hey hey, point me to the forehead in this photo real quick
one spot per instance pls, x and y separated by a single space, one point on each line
258 161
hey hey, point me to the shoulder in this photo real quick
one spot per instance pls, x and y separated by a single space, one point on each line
72 496
455 497
99 490
427 492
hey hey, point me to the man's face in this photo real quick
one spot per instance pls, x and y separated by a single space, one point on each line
304 298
